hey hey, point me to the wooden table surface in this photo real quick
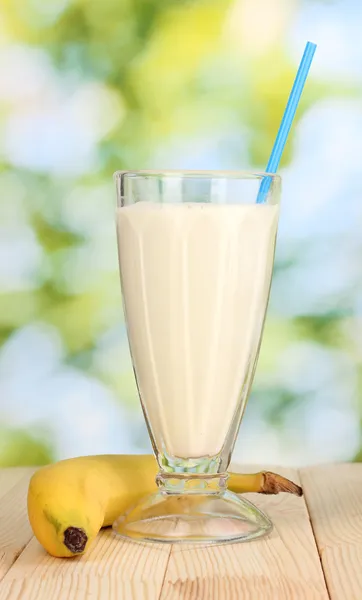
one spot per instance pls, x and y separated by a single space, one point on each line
314 551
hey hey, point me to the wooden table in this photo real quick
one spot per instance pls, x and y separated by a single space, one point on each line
315 551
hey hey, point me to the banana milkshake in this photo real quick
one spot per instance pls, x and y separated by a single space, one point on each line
195 280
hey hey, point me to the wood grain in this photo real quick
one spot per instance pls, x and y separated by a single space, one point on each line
334 498
283 566
15 531
112 570
9 477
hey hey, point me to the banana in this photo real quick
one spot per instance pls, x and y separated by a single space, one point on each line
70 501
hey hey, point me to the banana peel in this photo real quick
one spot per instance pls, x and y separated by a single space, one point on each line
70 501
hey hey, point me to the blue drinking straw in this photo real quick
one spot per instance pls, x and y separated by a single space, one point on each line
287 119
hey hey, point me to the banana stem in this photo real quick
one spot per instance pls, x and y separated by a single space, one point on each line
264 482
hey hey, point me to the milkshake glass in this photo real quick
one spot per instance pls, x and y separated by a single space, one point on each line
196 257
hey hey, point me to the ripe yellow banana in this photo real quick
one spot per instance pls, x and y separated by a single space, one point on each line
69 501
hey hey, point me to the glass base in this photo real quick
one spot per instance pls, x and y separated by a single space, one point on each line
193 518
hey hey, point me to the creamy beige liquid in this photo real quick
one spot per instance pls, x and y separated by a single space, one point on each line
195 281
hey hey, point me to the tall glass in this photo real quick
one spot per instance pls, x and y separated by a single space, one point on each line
196 257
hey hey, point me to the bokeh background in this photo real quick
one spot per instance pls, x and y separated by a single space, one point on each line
88 87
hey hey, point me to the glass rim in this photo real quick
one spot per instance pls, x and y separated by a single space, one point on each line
211 174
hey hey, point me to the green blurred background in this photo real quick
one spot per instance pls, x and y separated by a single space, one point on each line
88 87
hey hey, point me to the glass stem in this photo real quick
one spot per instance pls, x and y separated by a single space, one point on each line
186 483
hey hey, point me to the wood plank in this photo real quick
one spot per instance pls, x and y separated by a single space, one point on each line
334 498
9 477
15 531
285 565
114 569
